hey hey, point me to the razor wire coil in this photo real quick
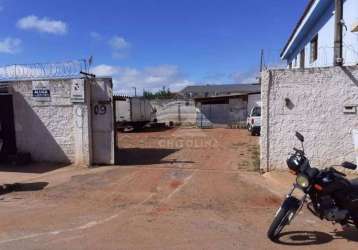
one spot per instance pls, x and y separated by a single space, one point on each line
43 70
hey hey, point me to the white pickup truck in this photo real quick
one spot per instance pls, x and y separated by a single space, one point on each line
254 121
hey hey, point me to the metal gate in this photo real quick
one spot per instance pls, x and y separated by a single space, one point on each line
213 115
7 127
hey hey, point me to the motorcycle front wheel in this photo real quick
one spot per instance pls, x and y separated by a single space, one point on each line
283 217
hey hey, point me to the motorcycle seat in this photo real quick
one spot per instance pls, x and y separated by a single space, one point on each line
354 186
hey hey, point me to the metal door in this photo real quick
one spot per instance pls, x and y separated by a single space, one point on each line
213 115
102 122
7 127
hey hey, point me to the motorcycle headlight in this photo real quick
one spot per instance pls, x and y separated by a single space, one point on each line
302 181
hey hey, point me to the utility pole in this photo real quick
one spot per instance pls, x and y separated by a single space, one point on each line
338 34
261 64
135 91
261 60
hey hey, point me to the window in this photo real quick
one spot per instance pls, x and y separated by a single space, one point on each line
256 111
314 49
302 58
295 62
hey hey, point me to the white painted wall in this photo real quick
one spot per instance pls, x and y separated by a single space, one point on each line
102 122
49 130
318 98
60 130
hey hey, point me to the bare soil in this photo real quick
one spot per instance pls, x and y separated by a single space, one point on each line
173 189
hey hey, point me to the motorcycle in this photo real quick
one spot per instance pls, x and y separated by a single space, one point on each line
327 193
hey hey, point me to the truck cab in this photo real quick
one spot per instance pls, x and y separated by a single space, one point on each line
254 121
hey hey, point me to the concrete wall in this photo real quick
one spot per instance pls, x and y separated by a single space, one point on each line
48 130
177 111
60 129
315 106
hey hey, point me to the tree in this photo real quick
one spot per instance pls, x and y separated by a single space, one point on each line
160 94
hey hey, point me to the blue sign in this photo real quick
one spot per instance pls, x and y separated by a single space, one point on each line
41 93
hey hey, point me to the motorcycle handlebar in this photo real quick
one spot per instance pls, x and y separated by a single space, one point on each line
299 151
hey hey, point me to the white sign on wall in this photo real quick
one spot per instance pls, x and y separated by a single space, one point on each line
41 91
78 91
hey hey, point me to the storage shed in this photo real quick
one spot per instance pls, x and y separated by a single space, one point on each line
227 110
59 119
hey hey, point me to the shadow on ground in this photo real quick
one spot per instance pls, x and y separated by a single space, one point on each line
308 238
147 130
36 168
145 156
22 187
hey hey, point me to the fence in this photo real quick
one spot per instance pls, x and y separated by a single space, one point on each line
325 57
43 70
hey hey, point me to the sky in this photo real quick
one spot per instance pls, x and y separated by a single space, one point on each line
148 44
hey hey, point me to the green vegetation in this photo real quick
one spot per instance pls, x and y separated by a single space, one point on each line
255 158
161 94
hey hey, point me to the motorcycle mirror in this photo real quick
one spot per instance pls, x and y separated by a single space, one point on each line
349 165
300 137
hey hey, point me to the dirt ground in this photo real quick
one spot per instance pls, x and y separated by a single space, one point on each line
173 189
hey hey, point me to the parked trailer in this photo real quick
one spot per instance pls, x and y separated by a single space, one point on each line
133 112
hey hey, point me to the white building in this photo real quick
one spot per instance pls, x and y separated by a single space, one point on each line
325 26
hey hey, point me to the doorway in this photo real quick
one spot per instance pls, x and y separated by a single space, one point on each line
7 128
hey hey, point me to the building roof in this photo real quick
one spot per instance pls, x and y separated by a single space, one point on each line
219 97
308 7
311 14
223 88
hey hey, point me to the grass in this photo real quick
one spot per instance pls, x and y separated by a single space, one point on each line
255 158
253 161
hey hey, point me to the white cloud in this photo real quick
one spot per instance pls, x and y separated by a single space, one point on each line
245 77
96 35
150 78
44 25
120 47
105 70
10 45
119 43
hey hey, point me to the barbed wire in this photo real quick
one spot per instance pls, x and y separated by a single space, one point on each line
325 54
43 70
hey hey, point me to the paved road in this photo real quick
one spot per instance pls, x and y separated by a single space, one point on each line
176 189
